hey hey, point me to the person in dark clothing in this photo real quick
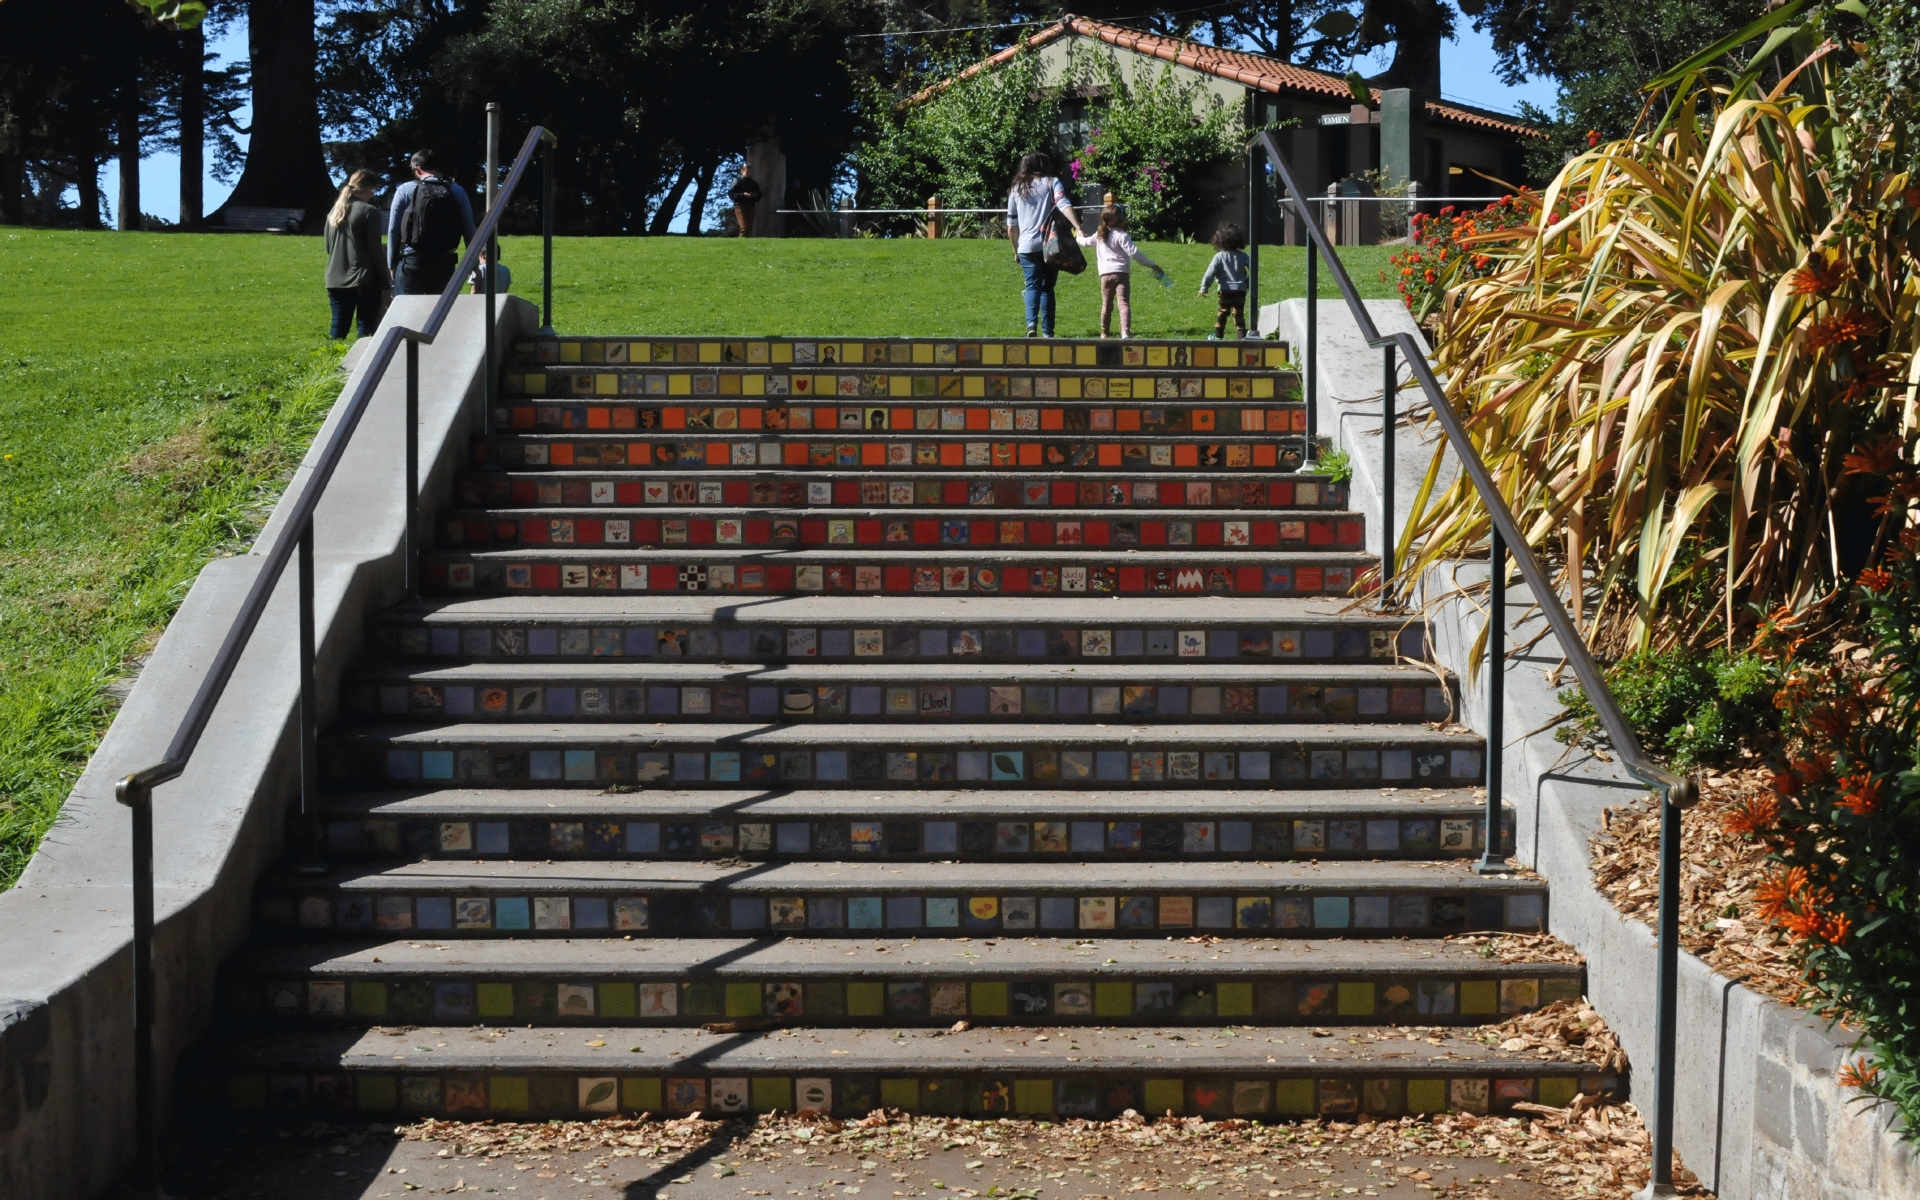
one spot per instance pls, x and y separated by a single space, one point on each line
431 218
745 194
356 265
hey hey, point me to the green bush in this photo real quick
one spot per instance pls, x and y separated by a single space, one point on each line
1148 147
1698 710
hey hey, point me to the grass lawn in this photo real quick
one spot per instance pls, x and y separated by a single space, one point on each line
157 389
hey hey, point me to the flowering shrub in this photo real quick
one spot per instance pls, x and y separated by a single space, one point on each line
1842 823
1436 258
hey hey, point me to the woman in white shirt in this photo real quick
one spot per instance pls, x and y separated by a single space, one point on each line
1031 202
1113 250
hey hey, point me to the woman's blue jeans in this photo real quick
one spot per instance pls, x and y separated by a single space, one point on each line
1039 293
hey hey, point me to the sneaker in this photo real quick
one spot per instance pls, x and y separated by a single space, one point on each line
1246 334
1213 337
1032 332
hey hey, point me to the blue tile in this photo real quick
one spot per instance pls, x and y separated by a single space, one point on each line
643 641
1173 701
1089 837
827 912
1236 837
1110 766
545 642
970 701
763 702
1129 643
903 912
512 912
1317 643
490 837
1058 912
1031 643
864 701
403 764
689 766
459 702
940 837
580 765
643 837
1272 701
433 912
590 912
1071 702
562 701
865 912
736 643
933 643
836 643
1223 643
1331 912
790 837
748 913
663 701
545 765
1214 912
723 766
446 642
830 766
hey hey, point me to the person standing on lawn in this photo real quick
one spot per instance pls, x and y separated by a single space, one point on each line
745 194
1113 249
356 265
1032 201
431 218
1233 270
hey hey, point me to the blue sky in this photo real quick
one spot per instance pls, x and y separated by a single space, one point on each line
1467 72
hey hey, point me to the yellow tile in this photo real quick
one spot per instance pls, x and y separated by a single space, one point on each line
1216 387
1166 1096
507 1093
1276 357
1479 996
866 999
535 384
1234 1000
1112 999
640 1095
853 353
679 385
753 385
1033 1097
495 999
1070 384
772 1093
743 999
606 385
1293 1097
973 385
1356 1000
1426 1095
826 387
993 354
570 352
709 352
637 352
923 352
900 1093
1086 356
593 352
900 385
1156 356
782 352
1558 1091
1263 388
987 1000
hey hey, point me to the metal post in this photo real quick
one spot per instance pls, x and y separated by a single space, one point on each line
1311 360
1667 1001
413 467
490 373
1493 859
493 155
139 797
309 694
1388 416
546 239
1253 235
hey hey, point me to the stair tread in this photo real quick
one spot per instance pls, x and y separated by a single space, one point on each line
1249 671
899 957
612 875
817 805
693 1051
1210 557
816 733
894 610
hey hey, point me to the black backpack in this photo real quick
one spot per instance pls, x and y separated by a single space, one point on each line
432 223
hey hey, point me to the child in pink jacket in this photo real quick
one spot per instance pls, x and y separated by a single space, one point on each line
1112 248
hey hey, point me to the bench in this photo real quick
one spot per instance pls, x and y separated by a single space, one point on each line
242 219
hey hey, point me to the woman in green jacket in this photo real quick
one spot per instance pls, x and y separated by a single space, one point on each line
356 262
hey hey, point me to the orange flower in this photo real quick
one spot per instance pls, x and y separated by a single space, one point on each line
1818 278
1876 579
1593 138
1751 816
1777 891
1859 1074
1859 794
1841 328
1880 458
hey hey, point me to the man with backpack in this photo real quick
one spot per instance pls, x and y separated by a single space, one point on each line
431 217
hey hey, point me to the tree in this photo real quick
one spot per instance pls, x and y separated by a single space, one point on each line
286 167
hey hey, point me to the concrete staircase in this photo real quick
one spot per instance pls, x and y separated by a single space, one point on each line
960 727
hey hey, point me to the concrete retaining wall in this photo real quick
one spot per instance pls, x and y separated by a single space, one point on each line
1759 1115
66 1000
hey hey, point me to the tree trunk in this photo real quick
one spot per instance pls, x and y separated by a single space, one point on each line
89 185
699 206
670 203
193 127
286 167
13 187
127 141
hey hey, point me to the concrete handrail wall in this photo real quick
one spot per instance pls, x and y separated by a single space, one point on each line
66 1042
1758 1112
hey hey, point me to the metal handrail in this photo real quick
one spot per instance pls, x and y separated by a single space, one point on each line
1677 792
136 790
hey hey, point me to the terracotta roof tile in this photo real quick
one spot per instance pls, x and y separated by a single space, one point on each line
1251 70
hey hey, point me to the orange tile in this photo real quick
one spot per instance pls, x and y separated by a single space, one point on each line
1127 420
752 418
977 418
1186 454
561 454
639 453
1109 454
597 418
673 418
873 454
1052 418
953 454
1030 454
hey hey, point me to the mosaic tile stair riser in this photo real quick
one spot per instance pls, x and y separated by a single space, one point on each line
1070 837
444 998
805 642
638 758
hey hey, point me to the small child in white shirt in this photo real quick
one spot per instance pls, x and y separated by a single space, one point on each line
1112 248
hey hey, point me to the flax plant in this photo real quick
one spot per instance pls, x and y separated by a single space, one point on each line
1668 366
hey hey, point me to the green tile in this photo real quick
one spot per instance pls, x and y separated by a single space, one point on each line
903 1094
640 1095
826 999
553 1093
1558 1091
1426 1095
701 1000
367 999
1166 1095
987 1000
616 1000
1479 996
1235 1000
743 999
1294 1097
495 999
866 999
507 1093
1113 1000
1033 1097
1356 1000
772 1093
376 1093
